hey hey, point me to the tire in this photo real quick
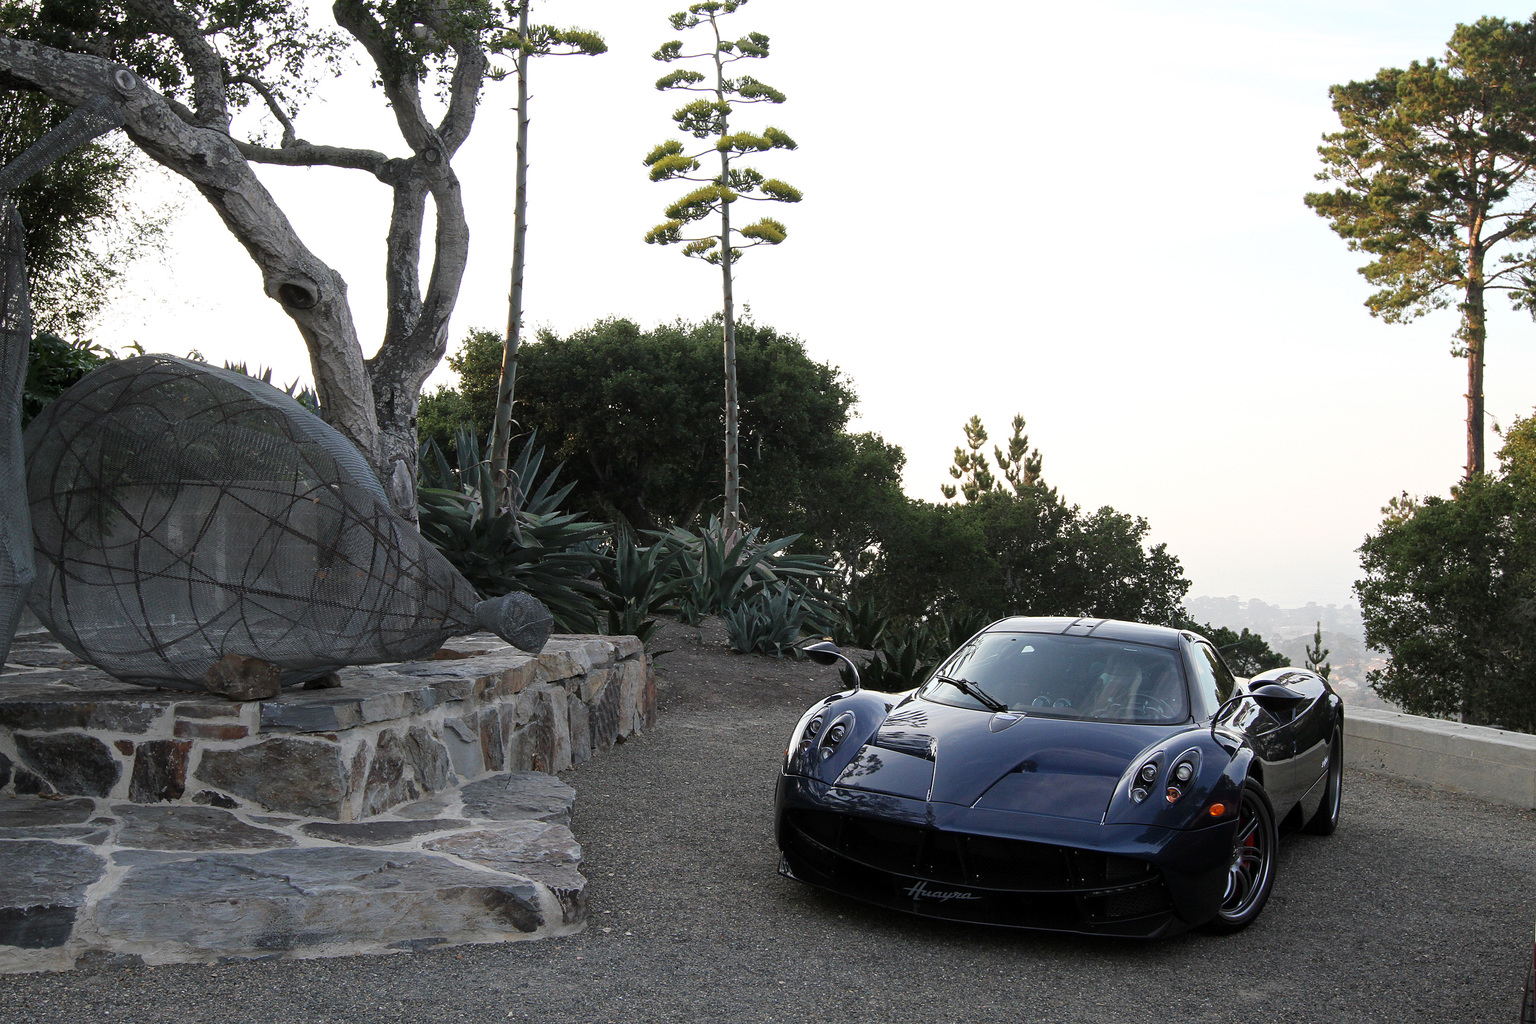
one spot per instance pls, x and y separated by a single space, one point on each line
1528 1002
1252 870
1326 818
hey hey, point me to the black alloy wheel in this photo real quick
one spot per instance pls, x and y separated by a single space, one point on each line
1528 1002
1251 872
1326 818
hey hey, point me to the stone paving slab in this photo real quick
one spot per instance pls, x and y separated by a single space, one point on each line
489 862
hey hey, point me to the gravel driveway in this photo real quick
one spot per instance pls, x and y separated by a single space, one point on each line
1419 909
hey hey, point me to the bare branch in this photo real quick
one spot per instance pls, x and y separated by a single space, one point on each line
299 153
271 99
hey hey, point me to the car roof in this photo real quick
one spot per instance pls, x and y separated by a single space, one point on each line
1107 629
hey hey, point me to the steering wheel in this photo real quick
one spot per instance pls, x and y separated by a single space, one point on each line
1144 705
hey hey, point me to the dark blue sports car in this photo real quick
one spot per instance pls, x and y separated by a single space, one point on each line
1078 775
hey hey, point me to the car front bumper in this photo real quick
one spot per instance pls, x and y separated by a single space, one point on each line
1001 867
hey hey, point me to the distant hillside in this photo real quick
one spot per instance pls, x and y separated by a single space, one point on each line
1289 631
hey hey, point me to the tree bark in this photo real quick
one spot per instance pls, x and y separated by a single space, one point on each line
501 431
309 291
1475 335
732 517
371 402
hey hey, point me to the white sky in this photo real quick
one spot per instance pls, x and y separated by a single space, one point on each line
1087 213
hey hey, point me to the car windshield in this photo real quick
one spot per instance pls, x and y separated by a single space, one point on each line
1065 677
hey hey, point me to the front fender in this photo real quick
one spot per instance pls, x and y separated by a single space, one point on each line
1218 780
812 753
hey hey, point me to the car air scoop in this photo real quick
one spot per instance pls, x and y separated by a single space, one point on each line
881 770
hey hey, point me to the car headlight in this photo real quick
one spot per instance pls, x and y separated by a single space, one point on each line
835 734
1186 768
1146 778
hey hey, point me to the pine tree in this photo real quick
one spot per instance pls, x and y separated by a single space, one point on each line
1316 654
1019 465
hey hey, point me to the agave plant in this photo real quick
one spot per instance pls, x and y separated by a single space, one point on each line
904 659
722 569
638 582
860 626
772 621
528 545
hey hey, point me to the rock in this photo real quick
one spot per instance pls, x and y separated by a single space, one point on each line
23 813
379 833
581 732
5 771
238 677
324 681
519 795
127 715
209 798
190 828
331 716
490 740
542 851
331 898
71 762
462 740
387 783
42 887
429 760
159 771
605 717
298 776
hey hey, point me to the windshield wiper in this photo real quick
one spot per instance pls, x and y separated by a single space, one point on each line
966 686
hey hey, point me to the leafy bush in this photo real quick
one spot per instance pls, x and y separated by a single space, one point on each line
53 364
529 545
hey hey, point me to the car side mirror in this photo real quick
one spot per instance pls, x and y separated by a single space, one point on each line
825 652
1276 699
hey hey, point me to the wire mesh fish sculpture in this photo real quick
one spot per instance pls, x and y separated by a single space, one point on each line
183 513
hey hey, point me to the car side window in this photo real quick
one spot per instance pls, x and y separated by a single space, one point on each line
1213 682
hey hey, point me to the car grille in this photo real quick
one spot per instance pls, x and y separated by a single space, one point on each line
1006 881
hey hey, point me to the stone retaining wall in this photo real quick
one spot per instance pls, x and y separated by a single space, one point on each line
390 734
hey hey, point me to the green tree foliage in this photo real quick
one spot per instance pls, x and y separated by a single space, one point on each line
1435 168
1246 653
53 364
66 209
1019 550
1450 594
630 413
709 120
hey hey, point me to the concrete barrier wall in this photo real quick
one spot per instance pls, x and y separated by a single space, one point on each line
1488 763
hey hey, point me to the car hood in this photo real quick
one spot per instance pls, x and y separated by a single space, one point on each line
1006 761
